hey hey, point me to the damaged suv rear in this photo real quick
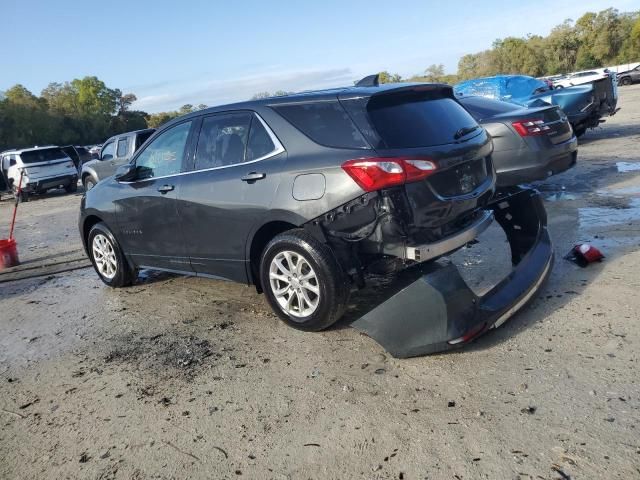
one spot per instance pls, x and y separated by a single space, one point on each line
302 195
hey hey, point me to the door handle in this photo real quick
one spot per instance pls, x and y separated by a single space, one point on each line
253 176
166 189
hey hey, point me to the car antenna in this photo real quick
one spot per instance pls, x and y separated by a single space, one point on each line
369 81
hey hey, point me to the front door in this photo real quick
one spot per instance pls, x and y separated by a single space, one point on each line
146 207
107 155
233 180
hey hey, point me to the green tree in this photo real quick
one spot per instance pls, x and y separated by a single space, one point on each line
386 77
434 73
94 98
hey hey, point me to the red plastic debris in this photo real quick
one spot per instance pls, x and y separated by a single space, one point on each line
583 254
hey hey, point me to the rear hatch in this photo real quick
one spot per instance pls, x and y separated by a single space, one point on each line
425 123
47 163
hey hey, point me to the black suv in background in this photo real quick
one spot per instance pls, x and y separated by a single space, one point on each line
298 195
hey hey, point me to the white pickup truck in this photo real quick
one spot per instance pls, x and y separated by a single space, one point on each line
42 168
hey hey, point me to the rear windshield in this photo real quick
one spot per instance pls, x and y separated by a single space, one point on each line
402 122
42 155
481 107
326 123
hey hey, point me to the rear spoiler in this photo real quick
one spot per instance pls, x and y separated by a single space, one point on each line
370 87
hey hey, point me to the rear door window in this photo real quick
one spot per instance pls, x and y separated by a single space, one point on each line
123 147
223 140
260 143
405 122
326 123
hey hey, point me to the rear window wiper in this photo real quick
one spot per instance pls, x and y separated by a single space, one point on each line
464 131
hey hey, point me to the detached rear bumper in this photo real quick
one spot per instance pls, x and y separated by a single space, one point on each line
439 311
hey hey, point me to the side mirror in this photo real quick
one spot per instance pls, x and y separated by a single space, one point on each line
108 156
125 172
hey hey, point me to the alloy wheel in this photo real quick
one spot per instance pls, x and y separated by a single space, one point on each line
294 284
104 256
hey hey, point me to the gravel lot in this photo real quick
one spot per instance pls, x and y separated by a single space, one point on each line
180 377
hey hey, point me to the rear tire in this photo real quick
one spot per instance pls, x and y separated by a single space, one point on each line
303 282
625 81
107 257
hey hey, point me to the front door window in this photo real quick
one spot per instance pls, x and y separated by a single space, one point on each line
163 156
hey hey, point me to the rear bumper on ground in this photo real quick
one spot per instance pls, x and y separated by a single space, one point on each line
438 311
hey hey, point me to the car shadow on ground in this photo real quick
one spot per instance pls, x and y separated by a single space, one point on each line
599 133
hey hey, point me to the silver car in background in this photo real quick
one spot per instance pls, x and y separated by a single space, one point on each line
115 151
528 143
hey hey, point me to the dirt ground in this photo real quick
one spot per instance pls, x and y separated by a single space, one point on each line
180 377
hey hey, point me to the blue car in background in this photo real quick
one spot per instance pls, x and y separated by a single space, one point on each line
584 105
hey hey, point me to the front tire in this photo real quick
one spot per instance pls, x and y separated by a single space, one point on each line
88 183
303 282
107 257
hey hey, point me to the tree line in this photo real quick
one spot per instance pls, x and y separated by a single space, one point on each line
85 111
81 112
601 39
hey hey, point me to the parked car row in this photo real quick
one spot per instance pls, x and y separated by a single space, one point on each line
625 74
301 195
584 105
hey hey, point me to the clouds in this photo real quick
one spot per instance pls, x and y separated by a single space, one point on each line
220 91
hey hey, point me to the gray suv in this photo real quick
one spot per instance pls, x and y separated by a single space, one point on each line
114 152
303 195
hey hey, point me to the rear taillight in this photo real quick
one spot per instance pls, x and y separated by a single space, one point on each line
383 172
527 128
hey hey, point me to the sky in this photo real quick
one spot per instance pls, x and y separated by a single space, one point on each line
169 53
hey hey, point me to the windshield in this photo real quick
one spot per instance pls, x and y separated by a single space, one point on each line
42 155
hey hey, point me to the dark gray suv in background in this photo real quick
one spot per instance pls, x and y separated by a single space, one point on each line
301 195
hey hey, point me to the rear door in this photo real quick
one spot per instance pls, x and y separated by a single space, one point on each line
146 206
233 180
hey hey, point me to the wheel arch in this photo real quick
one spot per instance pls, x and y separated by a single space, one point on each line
259 240
87 224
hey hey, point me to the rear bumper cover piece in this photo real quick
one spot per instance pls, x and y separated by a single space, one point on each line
439 311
